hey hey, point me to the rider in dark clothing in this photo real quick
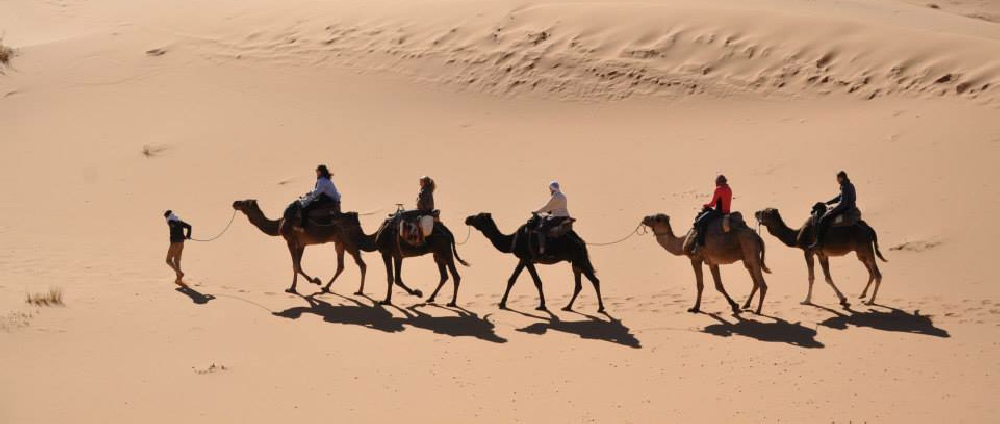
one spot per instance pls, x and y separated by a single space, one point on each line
845 201
425 200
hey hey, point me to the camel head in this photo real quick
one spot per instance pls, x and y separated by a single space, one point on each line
245 205
653 221
768 217
479 220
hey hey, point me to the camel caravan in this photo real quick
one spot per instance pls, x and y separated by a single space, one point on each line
718 237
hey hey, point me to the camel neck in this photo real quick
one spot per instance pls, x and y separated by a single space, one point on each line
259 220
783 232
501 241
666 238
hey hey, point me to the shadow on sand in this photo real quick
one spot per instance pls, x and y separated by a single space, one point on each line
891 319
780 331
369 315
594 328
196 297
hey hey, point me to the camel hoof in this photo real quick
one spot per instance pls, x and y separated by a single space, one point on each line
325 290
292 291
567 308
600 310
758 311
870 302
694 310
316 281
430 300
862 296
452 304
503 306
385 302
417 293
359 292
542 308
806 302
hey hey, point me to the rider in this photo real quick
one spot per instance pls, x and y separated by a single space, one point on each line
325 193
555 213
720 205
425 200
179 231
845 201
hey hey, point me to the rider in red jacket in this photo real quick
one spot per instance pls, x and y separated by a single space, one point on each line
721 201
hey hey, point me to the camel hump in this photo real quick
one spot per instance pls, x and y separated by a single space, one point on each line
733 220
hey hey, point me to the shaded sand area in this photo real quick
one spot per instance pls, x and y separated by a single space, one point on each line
113 111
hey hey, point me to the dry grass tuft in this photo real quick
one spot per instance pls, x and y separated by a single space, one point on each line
6 53
53 297
153 151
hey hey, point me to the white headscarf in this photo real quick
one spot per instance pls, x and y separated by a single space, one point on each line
172 217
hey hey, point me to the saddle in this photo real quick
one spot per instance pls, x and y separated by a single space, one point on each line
847 219
413 227
730 222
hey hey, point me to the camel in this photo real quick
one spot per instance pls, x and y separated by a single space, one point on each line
840 241
569 247
739 244
297 242
440 243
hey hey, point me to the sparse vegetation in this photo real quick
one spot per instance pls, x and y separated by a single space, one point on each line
933 6
152 151
53 297
6 53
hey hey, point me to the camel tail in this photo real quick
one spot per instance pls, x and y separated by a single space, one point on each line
454 247
874 236
763 265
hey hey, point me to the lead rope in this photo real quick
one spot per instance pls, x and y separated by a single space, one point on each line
467 235
223 230
634 232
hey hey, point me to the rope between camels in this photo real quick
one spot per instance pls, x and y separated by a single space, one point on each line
633 233
231 219
467 235
319 224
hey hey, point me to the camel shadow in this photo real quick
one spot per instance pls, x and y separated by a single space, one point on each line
894 320
465 324
196 297
780 331
354 313
593 328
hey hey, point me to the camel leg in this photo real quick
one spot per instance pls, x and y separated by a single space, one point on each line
597 288
699 278
296 253
824 262
717 277
577 279
873 275
444 278
300 251
538 285
758 281
387 259
399 278
361 266
340 266
811 267
457 279
510 283
753 290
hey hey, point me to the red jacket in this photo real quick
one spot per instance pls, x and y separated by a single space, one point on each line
724 194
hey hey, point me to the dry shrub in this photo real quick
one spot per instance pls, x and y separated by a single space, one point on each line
6 53
53 297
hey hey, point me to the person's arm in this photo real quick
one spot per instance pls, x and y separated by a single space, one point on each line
548 206
717 196
835 199
312 195
187 229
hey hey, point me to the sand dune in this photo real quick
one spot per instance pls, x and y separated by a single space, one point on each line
113 111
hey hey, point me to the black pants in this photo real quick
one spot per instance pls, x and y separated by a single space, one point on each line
826 221
702 221
323 200
545 224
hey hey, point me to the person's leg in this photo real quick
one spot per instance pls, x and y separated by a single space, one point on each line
171 251
177 262
825 222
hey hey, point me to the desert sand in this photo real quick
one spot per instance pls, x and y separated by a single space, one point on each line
112 111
